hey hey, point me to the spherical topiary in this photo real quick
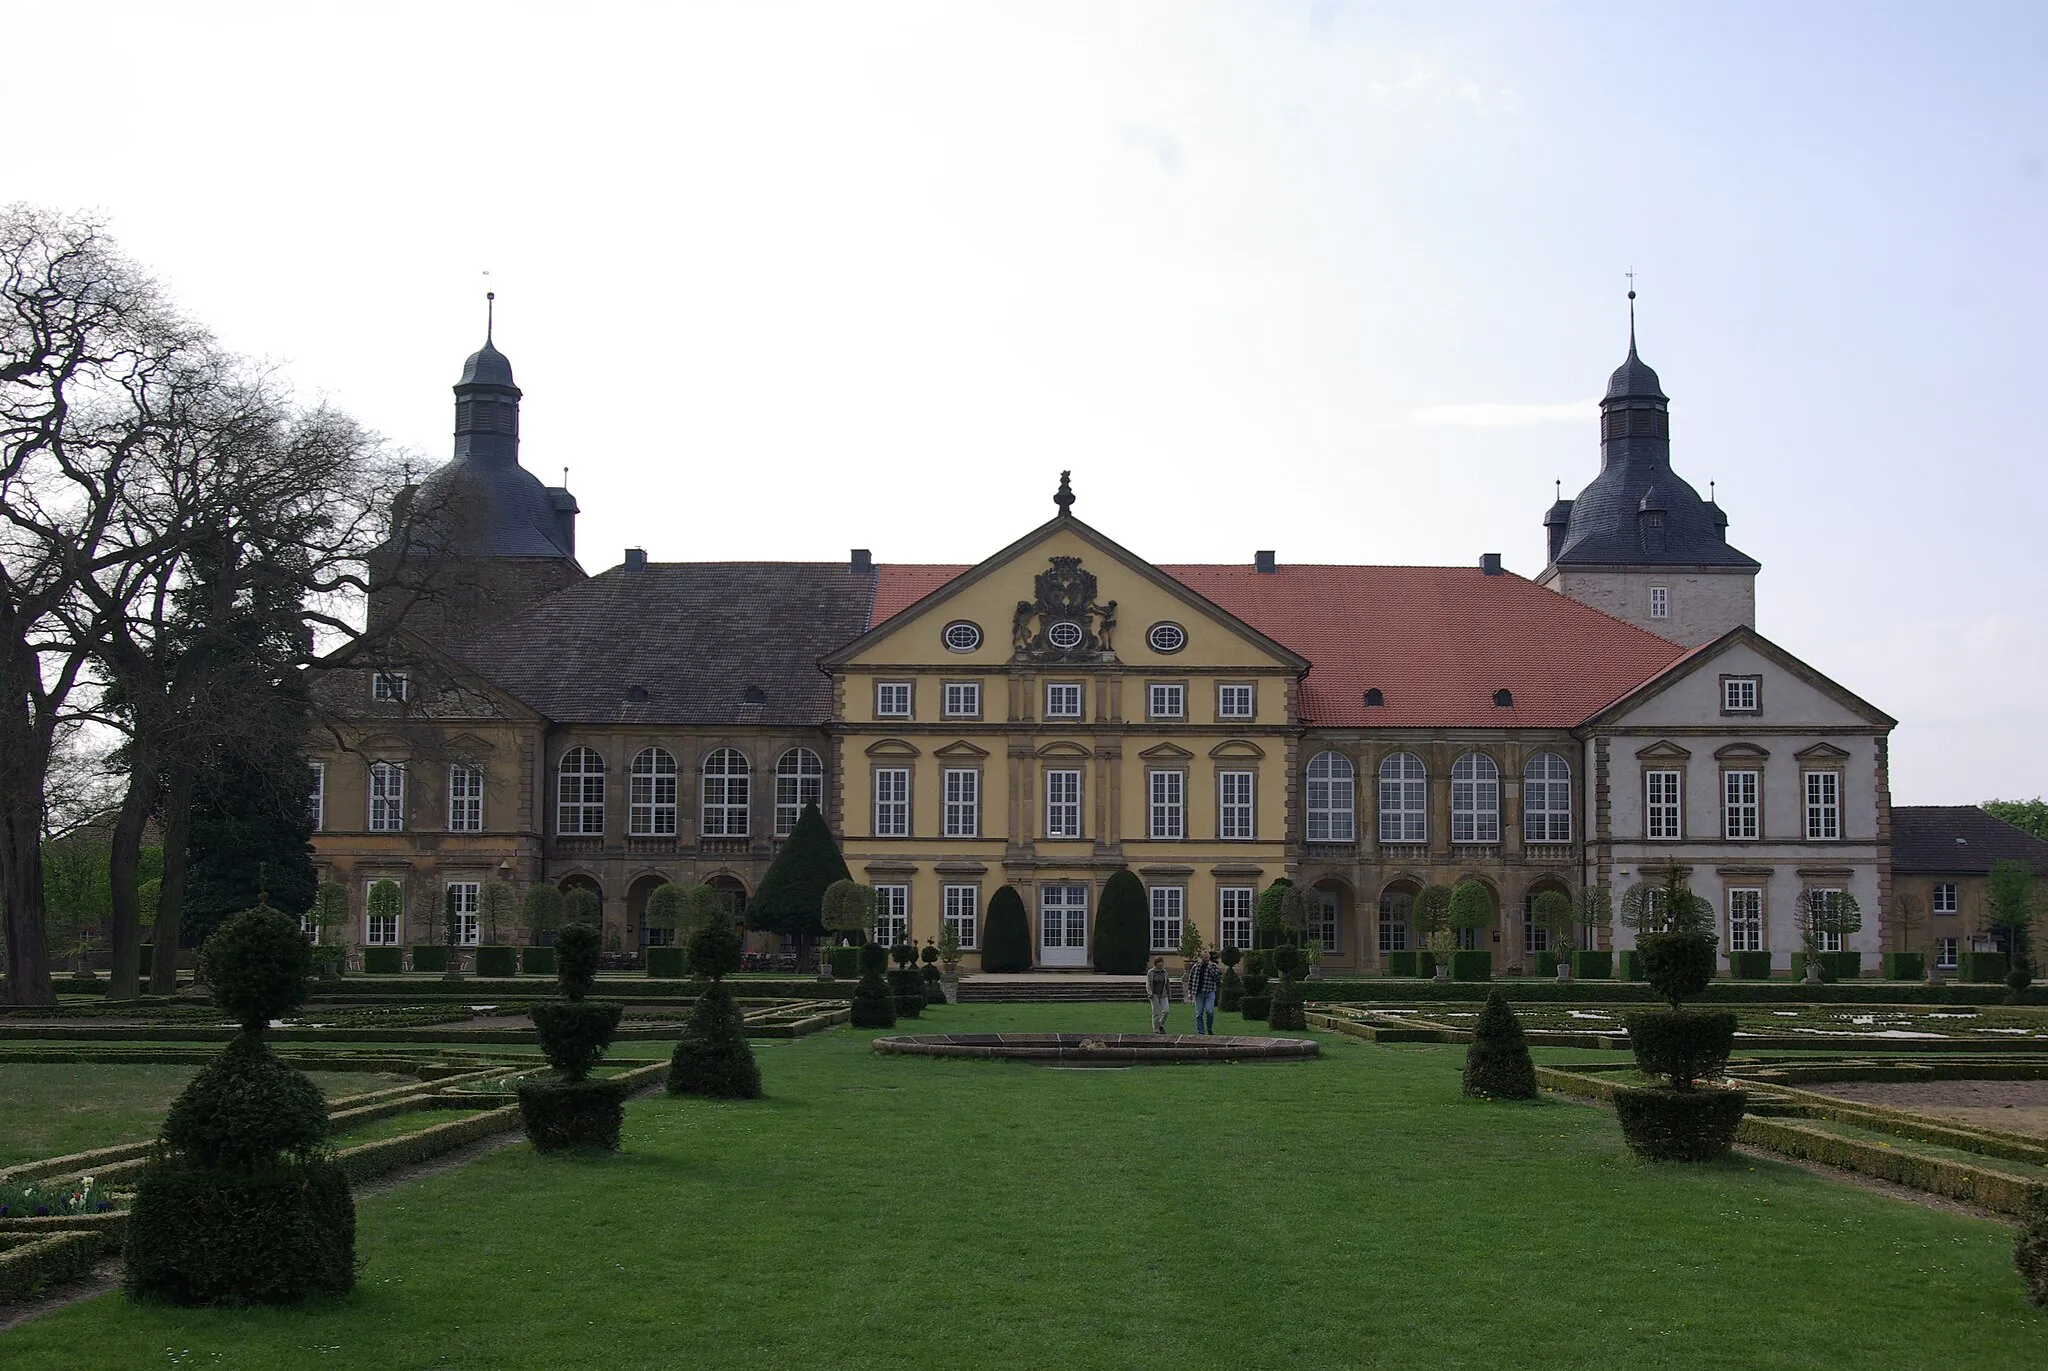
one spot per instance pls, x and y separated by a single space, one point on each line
712 1058
903 954
1678 966
1497 1064
715 951
258 964
1231 955
1006 940
873 958
581 905
245 1107
576 949
929 955
1123 926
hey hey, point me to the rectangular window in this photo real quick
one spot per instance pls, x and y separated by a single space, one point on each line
1945 952
962 901
1062 804
1393 929
379 930
1817 900
462 902
892 914
1063 700
963 803
1739 694
1168 700
1944 897
1823 806
1660 602
1738 804
1169 905
892 699
1663 811
1234 701
1322 920
387 797
892 802
1535 937
389 685
1745 920
465 799
1234 915
1168 791
1234 790
963 699
316 801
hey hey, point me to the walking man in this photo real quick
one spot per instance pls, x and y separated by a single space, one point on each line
1158 988
1203 979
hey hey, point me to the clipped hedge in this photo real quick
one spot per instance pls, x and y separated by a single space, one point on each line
1983 968
1749 966
1257 1007
845 963
1473 965
383 961
668 963
1402 964
497 961
1665 1125
429 957
564 1115
1834 966
1903 966
31 1265
1630 964
537 961
274 1233
1546 964
2003 1191
1593 965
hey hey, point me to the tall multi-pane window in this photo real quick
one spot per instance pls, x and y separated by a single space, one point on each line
1663 810
1322 919
1404 799
1945 950
1660 602
961 904
963 699
1395 907
379 930
1745 919
799 781
892 699
387 797
1062 804
1169 908
1234 700
579 792
1234 804
962 786
1168 700
651 794
1168 804
462 910
1063 700
465 799
316 799
1823 805
1475 799
1332 799
1944 897
1546 799
727 800
892 914
1234 905
892 802
1819 903
1739 812
1535 937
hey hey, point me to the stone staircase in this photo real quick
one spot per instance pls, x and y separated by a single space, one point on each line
1054 988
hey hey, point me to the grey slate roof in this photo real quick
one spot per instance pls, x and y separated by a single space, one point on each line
486 367
1634 378
496 508
696 636
1959 840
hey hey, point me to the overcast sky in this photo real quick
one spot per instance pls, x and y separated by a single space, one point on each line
1342 280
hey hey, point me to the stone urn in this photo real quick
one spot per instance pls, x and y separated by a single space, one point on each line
1564 967
1443 971
949 981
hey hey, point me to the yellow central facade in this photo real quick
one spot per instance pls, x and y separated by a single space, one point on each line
1060 712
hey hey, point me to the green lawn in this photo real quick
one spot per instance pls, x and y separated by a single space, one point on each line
53 1110
909 1212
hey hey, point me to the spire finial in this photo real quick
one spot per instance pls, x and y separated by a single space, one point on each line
490 313
1064 496
1560 487
1710 493
1631 274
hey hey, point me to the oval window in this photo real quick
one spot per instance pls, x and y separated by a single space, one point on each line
962 636
1064 635
1167 637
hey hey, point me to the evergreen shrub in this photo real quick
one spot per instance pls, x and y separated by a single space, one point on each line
1983 968
1256 1007
1425 965
1123 925
1684 1045
1629 964
1401 964
1471 965
934 989
1283 1010
1666 1125
1230 991
874 1005
577 948
383 961
537 961
1546 962
1678 966
574 1034
1904 966
571 1110
1497 1064
1749 966
713 1058
429 957
497 961
845 962
668 963
791 897
1593 965
907 989
1006 938
1848 964
563 1115
2030 1251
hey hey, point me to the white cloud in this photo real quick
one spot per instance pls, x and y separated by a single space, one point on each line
1426 80
1503 416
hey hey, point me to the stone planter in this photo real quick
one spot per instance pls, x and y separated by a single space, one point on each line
949 982
1564 969
1443 971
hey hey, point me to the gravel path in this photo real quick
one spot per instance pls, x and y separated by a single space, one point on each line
2008 1106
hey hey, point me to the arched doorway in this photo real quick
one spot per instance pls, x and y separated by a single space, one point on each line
581 881
638 934
1332 923
1396 931
1535 939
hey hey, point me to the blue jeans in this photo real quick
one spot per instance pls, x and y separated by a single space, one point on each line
1205 1012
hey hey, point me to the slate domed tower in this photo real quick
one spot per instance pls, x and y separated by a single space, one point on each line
1639 543
481 535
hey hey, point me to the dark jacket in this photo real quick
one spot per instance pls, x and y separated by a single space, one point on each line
1205 977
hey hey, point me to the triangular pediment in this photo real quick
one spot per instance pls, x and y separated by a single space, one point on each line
961 750
1743 651
1822 752
1663 750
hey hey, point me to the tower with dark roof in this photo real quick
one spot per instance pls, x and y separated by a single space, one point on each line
1639 543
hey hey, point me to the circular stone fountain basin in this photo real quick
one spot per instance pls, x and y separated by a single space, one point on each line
1098 1048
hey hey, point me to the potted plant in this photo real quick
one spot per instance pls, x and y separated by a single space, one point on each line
1190 952
949 963
1825 915
1431 915
1441 944
1471 911
496 909
1312 959
1553 912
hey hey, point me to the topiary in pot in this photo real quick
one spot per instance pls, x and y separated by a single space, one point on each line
573 1111
1284 1011
713 1058
1230 990
1123 926
904 982
1497 1064
874 1004
242 1203
1677 1121
1006 940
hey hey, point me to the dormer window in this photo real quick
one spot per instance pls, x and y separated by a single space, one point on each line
1651 524
389 686
1375 697
1503 699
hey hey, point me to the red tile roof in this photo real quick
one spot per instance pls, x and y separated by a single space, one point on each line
1436 641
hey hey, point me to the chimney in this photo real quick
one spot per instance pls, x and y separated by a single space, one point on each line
1263 561
636 559
1489 564
863 560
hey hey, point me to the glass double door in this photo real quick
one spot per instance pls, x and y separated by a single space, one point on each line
1063 925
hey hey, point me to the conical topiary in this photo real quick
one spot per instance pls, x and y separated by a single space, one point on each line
1497 1064
572 1110
713 1058
1006 940
1123 926
791 897
874 1004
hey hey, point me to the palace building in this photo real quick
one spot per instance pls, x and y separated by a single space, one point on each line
1066 708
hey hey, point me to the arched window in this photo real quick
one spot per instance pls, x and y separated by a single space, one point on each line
651 802
799 781
1547 799
725 794
1331 802
1475 799
579 792
1404 799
